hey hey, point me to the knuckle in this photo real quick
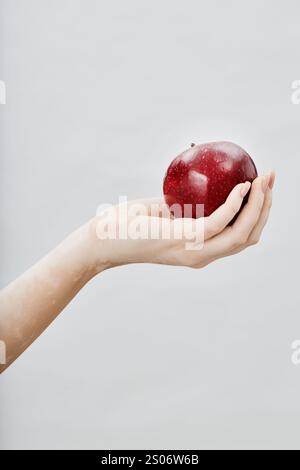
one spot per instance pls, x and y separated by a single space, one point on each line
234 243
253 240
197 265
235 208
193 266
192 263
190 260
216 228
239 238
211 224
244 240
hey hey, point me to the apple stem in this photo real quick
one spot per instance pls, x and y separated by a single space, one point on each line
193 145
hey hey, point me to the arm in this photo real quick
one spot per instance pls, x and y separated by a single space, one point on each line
31 302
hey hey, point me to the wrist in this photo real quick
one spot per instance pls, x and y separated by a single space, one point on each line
97 253
79 254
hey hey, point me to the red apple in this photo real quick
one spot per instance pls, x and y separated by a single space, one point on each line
206 174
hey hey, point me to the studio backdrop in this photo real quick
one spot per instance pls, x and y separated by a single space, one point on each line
97 97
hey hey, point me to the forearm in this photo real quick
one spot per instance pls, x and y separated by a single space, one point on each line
31 302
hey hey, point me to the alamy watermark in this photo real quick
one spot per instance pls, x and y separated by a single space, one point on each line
149 220
295 357
2 92
295 97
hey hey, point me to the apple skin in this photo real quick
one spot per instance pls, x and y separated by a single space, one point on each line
206 174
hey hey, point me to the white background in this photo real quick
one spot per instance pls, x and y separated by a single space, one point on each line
101 95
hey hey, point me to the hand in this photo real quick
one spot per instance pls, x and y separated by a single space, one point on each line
213 235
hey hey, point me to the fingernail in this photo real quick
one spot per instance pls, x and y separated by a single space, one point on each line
245 188
264 183
272 179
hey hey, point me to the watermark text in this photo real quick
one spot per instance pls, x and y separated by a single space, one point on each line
295 97
2 92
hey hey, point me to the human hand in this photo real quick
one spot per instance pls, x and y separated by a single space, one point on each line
203 240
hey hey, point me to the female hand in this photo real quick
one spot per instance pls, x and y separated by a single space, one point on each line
202 241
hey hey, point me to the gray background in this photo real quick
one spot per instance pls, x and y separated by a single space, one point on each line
101 95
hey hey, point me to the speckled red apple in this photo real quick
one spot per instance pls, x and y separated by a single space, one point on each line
206 174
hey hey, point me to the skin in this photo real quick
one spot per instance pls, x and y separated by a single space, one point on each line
31 302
